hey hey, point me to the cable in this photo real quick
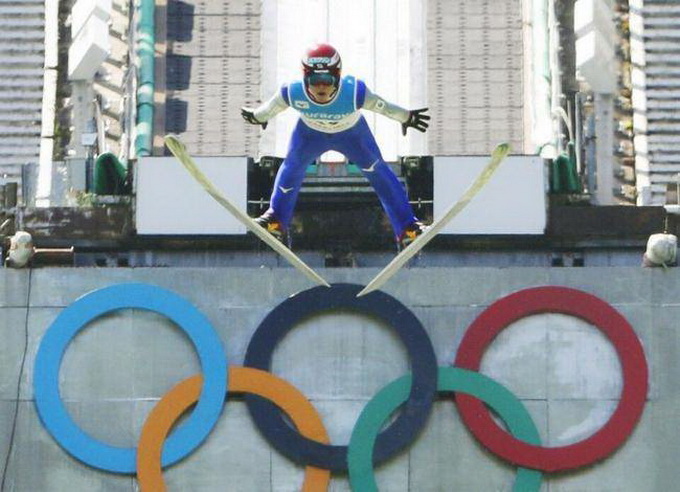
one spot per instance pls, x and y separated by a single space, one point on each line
21 372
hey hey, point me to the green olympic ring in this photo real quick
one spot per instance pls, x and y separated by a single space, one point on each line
388 399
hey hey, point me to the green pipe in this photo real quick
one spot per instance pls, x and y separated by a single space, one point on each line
146 38
110 175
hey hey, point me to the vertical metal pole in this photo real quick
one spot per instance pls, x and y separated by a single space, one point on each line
11 190
578 132
604 129
591 156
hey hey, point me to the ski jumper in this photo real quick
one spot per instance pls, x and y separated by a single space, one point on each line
337 125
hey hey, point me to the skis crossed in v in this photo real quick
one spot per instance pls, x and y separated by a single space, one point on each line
499 154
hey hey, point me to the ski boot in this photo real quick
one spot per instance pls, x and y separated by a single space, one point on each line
273 227
410 233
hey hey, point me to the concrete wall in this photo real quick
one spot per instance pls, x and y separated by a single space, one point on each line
563 369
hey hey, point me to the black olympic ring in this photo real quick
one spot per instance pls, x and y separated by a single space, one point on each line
415 411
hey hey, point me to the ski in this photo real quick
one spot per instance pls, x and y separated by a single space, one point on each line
180 152
500 152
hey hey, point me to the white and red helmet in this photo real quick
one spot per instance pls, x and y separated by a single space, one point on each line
322 65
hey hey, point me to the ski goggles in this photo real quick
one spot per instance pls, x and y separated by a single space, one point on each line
321 78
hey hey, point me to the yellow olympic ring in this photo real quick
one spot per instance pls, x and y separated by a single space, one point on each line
241 380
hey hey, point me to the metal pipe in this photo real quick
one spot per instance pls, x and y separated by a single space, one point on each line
578 132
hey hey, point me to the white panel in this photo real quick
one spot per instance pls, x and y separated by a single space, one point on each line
595 40
392 68
595 61
413 88
89 49
512 202
170 201
83 9
52 34
595 15
270 83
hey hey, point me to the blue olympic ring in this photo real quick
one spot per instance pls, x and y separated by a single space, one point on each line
416 410
187 437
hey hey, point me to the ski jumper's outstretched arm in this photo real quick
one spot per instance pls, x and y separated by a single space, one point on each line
268 110
408 118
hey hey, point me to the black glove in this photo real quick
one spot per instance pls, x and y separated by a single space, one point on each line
249 116
417 120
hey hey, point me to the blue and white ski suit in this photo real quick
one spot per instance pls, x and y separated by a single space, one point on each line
337 125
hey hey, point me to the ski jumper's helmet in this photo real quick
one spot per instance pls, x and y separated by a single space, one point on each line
321 65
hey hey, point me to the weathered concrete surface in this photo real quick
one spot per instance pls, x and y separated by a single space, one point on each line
564 370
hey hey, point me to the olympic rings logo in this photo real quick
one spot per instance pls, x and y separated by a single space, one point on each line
269 397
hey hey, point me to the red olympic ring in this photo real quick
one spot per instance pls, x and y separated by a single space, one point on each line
565 301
